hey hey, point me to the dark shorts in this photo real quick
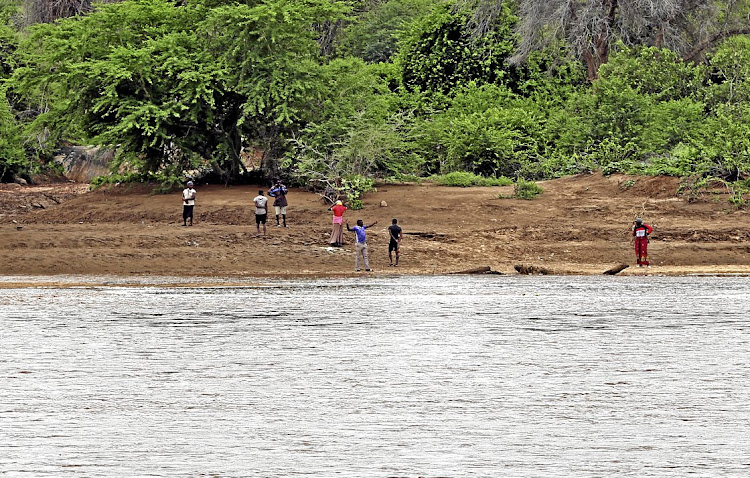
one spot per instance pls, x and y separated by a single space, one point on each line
261 218
392 246
187 211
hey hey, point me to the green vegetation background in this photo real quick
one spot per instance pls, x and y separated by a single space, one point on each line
334 95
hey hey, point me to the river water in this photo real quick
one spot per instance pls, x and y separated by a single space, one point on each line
378 377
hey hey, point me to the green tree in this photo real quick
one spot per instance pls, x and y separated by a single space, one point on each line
177 87
9 9
132 75
13 161
657 72
357 134
645 103
373 34
730 72
725 142
439 54
270 53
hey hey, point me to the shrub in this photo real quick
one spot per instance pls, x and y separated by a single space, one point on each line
353 187
625 185
465 179
524 189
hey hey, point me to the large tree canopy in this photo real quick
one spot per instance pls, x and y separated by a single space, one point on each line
176 86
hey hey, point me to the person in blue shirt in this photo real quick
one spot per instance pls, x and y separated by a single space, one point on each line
360 244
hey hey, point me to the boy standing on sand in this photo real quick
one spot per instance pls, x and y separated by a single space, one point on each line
361 243
261 211
394 231
188 203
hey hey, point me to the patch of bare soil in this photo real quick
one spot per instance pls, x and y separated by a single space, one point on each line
579 225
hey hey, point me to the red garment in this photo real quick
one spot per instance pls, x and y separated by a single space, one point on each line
641 243
338 210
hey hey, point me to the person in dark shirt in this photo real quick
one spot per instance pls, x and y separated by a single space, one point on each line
394 245
279 192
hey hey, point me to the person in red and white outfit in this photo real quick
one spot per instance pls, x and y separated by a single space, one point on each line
641 231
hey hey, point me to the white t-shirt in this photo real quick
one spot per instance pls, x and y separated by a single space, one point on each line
186 193
260 204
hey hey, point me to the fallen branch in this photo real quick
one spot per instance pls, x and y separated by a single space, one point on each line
478 270
616 270
425 235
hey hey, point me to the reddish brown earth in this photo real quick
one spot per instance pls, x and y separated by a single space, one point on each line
579 225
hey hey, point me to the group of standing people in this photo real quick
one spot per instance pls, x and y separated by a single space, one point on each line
641 230
279 192
360 244
360 237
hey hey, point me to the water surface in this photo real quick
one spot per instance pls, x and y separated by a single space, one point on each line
378 377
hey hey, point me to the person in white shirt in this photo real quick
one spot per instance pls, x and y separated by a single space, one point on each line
188 204
261 211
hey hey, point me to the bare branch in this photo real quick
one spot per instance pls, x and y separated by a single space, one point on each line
590 27
713 40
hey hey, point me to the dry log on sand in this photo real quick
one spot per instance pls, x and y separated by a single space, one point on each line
478 270
616 270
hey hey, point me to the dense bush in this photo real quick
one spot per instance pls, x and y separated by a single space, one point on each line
439 54
465 180
373 34
356 135
13 161
485 130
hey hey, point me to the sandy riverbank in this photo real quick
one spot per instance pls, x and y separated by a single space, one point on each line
579 225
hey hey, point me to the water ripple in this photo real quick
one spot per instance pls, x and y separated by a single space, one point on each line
400 376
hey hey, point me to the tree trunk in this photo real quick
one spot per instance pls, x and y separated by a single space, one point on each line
599 52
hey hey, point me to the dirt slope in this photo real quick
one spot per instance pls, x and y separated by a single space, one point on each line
579 225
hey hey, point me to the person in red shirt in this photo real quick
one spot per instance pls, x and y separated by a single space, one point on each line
641 231
337 235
